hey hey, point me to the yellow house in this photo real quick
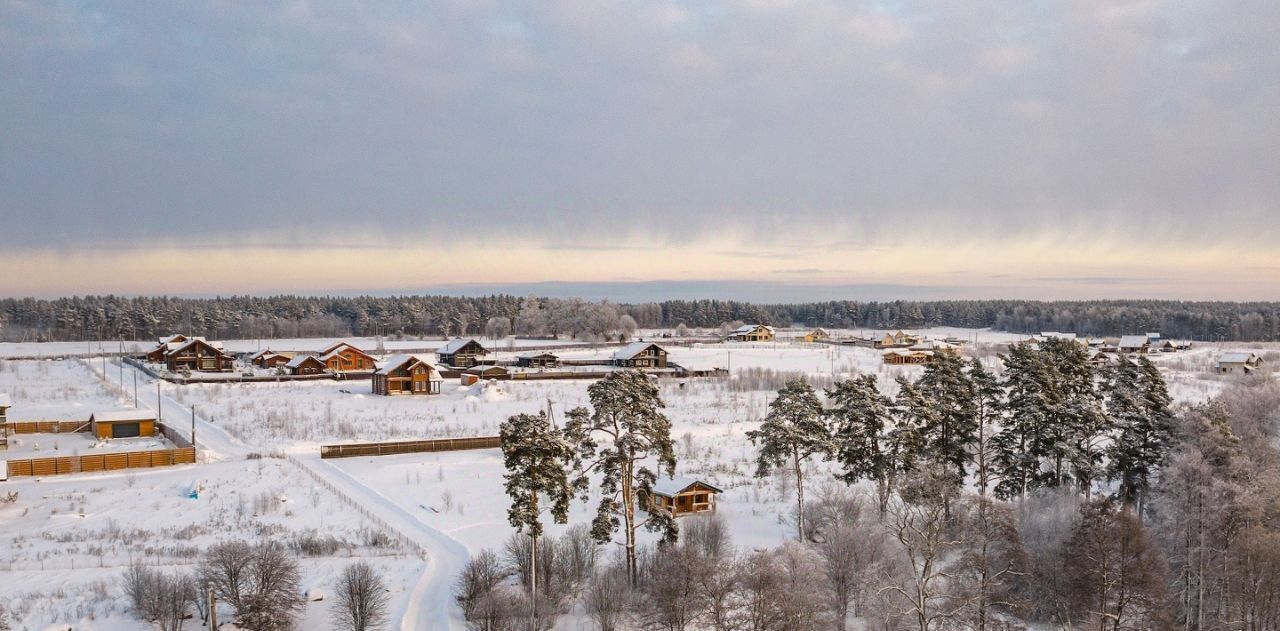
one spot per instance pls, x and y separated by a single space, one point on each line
817 335
751 333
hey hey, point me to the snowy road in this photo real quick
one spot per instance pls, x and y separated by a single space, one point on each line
430 606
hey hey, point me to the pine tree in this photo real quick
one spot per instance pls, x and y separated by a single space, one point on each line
942 402
1138 404
861 417
988 399
1016 458
538 460
626 413
793 431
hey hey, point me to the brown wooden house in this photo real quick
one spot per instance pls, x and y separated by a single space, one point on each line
167 344
269 359
306 365
5 404
641 355
683 496
461 352
343 357
196 354
122 424
899 357
407 374
538 360
477 373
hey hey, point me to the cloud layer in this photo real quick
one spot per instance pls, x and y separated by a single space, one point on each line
1143 125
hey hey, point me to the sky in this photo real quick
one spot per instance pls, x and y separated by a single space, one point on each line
738 148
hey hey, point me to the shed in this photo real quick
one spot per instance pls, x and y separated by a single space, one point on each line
476 373
684 496
122 424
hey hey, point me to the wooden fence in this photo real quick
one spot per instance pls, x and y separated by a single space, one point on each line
47 427
409 447
102 462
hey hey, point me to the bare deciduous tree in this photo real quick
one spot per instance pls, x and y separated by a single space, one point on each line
361 600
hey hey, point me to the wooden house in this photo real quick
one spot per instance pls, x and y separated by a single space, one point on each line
269 359
5 404
751 333
641 355
1134 344
899 339
343 357
538 360
901 357
306 365
816 335
480 372
122 424
1239 362
407 374
461 352
683 496
167 345
198 355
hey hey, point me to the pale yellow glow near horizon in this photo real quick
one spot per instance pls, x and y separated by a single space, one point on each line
1046 268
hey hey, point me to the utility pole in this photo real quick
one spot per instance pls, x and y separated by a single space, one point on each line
159 404
213 611
135 389
193 426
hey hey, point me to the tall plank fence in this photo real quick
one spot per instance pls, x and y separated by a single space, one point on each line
409 447
183 453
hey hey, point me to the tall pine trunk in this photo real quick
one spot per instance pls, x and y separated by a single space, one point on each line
629 517
799 496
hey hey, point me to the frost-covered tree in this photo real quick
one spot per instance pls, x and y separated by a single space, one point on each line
538 460
861 416
624 427
1138 405
497 328
794 430
1016 459
361 600
943 406
988 399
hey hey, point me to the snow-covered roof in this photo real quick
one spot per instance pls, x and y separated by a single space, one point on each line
456 345
4 400
180 346
122 416
336 347
480 369
1133 341
1055 334
670 486
396 361
631 350
299 359
537 354
1236 358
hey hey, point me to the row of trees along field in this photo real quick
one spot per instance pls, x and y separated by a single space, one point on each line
249 317
1056 495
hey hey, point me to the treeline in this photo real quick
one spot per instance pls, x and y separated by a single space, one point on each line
1053 496
250 317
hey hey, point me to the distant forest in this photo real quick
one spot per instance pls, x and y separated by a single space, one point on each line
247 317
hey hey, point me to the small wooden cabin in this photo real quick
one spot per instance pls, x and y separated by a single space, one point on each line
683 496
898 339
196 354
461 352
1135 344
269 359
751 333
538 360
306 365
816 335
481 372
122 424
901 357
407 374
641 355
343 357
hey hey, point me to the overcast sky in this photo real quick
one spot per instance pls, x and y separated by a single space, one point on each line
1045 149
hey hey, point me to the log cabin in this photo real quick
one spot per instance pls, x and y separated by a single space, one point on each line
477 373
407 374
683 496
538 360
751 333
461 352
306 365
344 357
902 357
198 355
269 359
641 355
1135 344
122 424
816 335
167 345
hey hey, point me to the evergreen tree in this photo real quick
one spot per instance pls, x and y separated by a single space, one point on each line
988 399
624 427
538 460
943 403
861 417
793 431
1016 459
1138 404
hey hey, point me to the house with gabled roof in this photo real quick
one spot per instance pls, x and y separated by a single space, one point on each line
1239 362
751 333
269 359
538 360
5 404
1134 344
640 355
127 423
407 375
461 352
817 335
345 357
198 355
680 496
306 365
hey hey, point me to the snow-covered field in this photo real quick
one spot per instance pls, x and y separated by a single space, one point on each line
66 539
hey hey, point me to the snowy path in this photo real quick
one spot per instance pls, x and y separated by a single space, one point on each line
430 606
